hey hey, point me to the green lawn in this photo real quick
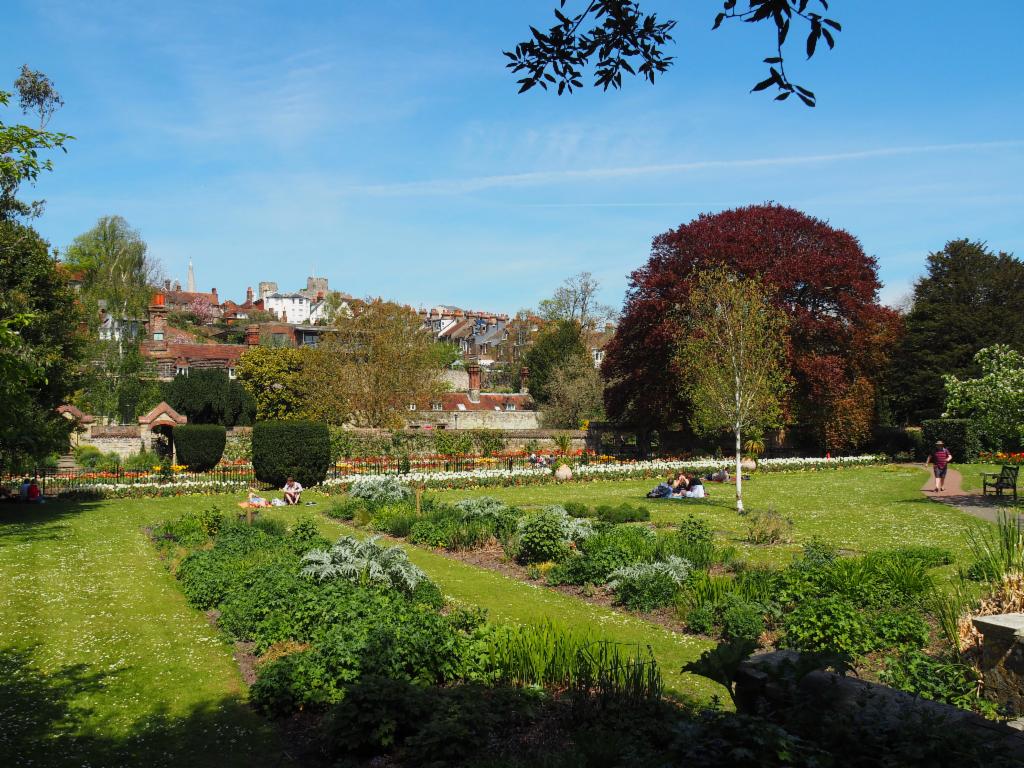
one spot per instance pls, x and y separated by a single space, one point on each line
101 660
971 474
859 510
103 663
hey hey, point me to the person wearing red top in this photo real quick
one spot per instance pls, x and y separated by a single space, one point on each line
941 458
34 494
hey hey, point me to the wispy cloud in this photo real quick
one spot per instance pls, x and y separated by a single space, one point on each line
439 187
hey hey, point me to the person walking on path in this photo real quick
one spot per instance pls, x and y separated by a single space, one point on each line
941 458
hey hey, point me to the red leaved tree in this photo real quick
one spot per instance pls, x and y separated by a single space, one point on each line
840 336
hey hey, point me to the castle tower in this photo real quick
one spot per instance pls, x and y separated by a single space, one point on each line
191 278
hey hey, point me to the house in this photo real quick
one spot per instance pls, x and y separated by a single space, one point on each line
233 312
288 307
172 352
177 300
597 341
474 409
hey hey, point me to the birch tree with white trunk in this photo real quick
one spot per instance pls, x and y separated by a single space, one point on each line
734 359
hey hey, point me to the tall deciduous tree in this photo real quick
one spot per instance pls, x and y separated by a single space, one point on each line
116 268
22 150
376 363
841 337
274 378
558 345
41 347
970 297
618 37
575 395
994 400
575 300
733 358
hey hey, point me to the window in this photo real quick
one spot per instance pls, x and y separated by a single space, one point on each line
510 406
436 407
158 335
231 373
181 370
412 406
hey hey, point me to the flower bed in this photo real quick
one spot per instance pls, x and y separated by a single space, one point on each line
240 478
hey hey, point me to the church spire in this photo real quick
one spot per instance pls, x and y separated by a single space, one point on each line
191 278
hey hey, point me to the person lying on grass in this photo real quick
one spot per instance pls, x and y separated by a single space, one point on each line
254 501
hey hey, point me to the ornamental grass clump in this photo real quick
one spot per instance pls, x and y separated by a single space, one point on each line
647 586
364 562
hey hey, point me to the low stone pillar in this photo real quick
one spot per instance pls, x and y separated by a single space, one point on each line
1002 659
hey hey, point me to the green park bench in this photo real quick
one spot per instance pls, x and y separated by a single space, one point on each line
1003 480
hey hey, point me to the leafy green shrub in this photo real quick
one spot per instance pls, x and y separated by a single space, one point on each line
199 446
742 620
193 529
648 586
487 442
701 619
394 518
900 629
433 532
603 553
546 535
380 489
439 726
304 536
829 624
143 461
578 509
205 577
500 518
541 537
452 442
345 507
623 513
283 449
91 457
934 679
769 527
959 435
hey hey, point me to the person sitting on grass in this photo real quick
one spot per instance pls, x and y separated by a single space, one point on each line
35 496
695 490
661 490
292 491
680 486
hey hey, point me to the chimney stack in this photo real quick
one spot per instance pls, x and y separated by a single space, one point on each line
248 295
474 382
524 377
158 323
167 284
215 301
252 336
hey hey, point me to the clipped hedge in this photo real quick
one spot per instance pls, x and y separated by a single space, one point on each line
959 435
299 449
199 446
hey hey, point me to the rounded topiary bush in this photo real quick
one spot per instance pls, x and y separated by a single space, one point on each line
283 449
199 446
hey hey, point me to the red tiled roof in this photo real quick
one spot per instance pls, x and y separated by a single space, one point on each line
450 401
226 352
75 414
184 297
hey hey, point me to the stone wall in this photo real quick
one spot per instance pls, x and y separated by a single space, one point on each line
124 441
1002 659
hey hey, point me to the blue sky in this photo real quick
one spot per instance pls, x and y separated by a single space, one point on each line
384 145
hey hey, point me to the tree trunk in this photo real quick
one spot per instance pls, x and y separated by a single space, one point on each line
739 474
